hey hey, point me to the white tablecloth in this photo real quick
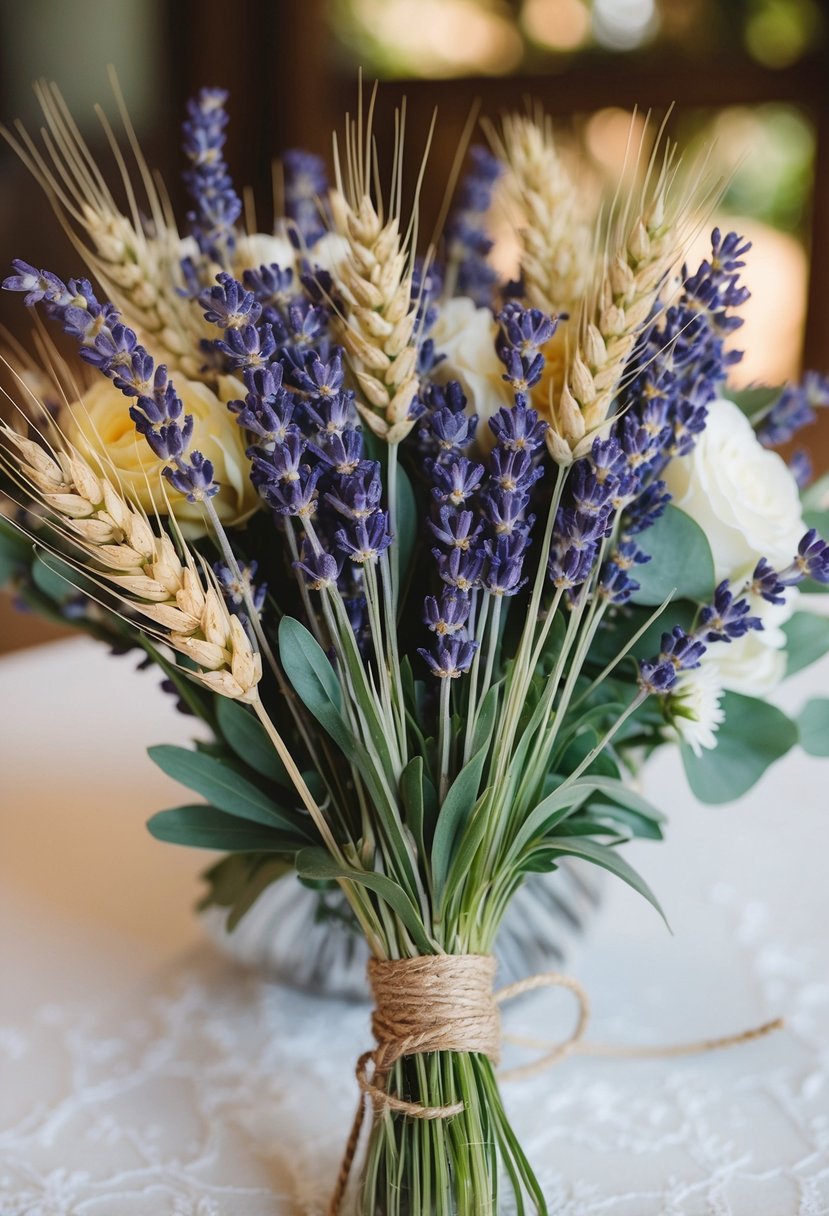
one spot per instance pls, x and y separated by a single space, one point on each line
142 1074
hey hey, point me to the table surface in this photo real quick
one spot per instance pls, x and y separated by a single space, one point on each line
144 1074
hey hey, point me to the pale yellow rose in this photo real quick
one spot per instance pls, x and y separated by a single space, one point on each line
99 425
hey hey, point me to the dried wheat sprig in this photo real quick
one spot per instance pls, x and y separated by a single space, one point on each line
140 272
378 319
177 598
555 229
643 246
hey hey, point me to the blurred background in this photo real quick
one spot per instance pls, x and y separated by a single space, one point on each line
747 78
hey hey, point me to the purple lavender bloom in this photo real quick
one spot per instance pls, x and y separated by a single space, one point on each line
505 560
447 615
571 565
514 470
794 409
518 429
296 497
358 496
321 570
341 451
460 568
812 559
306 186
217 206
467 238
365 539
192 478
646 509
272 286
455 529
234 589
679 651
321 379
228 305
617 584
453 656
802 468
523 333
456 482
727 617
766 582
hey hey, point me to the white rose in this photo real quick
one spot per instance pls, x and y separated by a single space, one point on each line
743 496
466 336
263 249
329 253
100 427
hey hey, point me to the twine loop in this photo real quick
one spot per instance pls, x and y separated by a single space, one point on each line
446 1002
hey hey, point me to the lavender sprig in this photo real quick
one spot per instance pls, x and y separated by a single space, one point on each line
217 205
114 349
306 186
468 242
794 409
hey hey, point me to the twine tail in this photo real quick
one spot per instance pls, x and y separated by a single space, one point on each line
347 1161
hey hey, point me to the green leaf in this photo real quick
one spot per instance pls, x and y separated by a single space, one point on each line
249 740
405 520
813 724
411 791
755 402
680 559
237 881
56 579
453 815
753 735
314 679
15 551
609 859
225 789
815 496
316 863
206 827
807 640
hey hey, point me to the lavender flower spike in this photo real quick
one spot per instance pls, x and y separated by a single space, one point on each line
217 205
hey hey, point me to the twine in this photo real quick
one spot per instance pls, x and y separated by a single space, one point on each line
446 1002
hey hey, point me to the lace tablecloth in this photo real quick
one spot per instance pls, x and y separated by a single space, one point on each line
142 1074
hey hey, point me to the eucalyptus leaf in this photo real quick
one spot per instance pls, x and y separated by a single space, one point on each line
248 738
316 863
225 789
681 561
206 827
807 640
753 736
15 552
813 725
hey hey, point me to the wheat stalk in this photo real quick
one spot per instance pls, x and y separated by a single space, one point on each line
125 556
643 247
139 268
377 324
556 230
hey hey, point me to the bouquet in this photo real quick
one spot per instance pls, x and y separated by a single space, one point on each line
438 558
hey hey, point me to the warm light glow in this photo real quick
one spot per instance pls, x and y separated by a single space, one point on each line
561 24
613 138
622 25
437 38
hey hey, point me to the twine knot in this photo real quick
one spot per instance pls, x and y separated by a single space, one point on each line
446 1002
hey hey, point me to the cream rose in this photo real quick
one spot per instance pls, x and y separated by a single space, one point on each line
466 336
263 249
743 496
100 427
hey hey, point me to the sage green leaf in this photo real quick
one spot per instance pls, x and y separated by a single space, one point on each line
813 724
206 827
225 789
681 561
815 496
755 402
248 738
642 826
753 736
411 791
316 863
609 859
405 521
313 678
237 881
807 640
15 551
453 815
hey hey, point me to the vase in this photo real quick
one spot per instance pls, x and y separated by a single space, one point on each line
307 939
